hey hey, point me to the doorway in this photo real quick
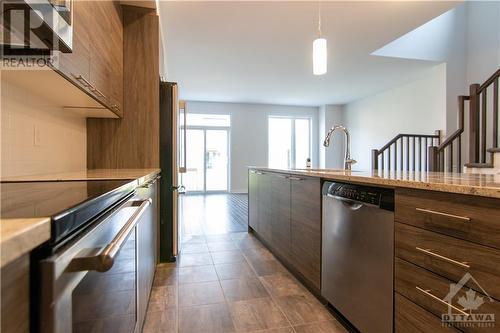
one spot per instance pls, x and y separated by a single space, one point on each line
207 160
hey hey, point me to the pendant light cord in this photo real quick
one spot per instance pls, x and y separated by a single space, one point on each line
319 18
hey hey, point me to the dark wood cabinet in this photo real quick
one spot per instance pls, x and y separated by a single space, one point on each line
285 211
146 246
96 63
280 214
305 227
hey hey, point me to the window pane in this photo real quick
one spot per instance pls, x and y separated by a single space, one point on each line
280 142
195 119
217 159
302 142
194 177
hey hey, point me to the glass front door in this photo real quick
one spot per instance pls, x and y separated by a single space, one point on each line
207 160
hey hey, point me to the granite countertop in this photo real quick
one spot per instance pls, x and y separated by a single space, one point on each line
19 236
471 184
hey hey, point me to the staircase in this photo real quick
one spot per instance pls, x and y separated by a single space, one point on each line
472 148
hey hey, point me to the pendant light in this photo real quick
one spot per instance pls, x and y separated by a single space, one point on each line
319 49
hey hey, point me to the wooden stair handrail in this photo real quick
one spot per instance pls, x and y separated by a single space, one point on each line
489 81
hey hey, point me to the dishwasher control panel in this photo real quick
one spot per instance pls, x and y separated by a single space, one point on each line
363 194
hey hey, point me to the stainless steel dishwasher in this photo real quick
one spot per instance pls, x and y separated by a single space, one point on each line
357 254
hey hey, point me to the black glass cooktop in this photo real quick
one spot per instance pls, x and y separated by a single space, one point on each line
70 204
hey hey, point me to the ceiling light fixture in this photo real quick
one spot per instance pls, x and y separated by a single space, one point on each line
319 49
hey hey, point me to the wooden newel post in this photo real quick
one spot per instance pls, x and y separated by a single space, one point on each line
474 123
433 159
375 159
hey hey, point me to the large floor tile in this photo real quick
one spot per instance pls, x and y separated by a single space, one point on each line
248 243
301 309
278 330
213 318
194 274
243 289
226 237
161 321
195 248
280 285
165 276
234 271
163 297
227 257
257 254
321 327
195 259
222 246
267 267
257 314
200 293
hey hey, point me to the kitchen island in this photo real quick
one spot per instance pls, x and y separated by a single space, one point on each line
445 226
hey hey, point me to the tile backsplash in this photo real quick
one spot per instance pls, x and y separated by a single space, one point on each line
37 136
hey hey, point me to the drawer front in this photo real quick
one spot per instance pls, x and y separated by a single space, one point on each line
411 318
429 290
449 257
476 219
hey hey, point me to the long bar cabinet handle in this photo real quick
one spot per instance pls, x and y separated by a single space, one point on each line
438 256
434 297
458 217
105 259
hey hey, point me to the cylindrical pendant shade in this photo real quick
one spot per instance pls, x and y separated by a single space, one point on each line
319 56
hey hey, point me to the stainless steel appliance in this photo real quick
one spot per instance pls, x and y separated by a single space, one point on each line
358 253
85 278
49 25
172 162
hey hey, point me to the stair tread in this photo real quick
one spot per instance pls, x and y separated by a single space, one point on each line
494 150
479 165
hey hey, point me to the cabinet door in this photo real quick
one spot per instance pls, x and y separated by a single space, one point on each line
99 30
280 214
76 65
265 206
253 204
305 217
115 56
146 247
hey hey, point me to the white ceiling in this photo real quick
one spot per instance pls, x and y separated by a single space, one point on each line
261 52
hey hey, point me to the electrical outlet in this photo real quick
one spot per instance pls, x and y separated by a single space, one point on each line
36 136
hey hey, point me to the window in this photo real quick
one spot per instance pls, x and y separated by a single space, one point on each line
289 142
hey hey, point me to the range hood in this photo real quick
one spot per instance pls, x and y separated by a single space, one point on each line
36 27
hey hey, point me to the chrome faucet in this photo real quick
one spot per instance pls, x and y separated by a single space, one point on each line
348 161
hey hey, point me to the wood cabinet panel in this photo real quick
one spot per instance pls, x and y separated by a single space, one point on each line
411 318
96 63
146 244
280 214
134 141
76 65
265 206
449 257
305 217
429 290
475 219
253 204
16 296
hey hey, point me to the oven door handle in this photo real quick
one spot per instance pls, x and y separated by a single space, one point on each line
105 259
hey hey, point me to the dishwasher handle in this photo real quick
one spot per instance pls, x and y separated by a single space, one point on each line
351 204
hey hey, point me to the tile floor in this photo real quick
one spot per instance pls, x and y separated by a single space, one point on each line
229 282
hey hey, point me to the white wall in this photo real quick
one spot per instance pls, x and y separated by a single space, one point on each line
416 107
249 133
333 155
39 137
